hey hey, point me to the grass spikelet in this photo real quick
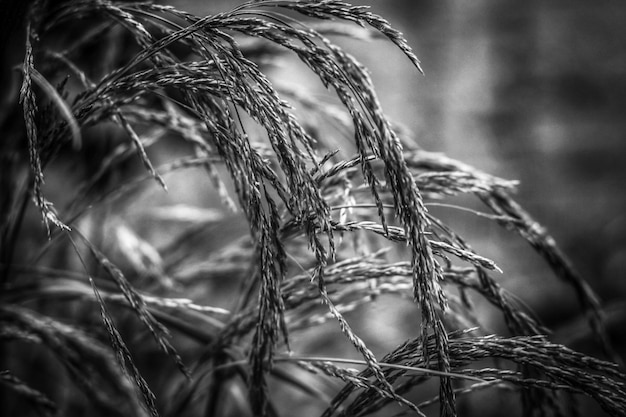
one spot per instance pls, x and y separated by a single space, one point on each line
600 380
358 343
536 235
354 379
27 98
548 359
140 150
270 314
62 106
136 302
124 357
512 216
346 11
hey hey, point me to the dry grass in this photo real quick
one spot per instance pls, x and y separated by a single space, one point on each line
225 313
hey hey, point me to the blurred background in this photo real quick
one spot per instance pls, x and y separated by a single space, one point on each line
533 91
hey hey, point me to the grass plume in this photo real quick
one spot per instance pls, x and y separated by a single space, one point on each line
227 307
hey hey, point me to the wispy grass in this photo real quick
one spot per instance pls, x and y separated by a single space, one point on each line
316 220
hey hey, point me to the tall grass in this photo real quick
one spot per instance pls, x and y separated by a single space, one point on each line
99 299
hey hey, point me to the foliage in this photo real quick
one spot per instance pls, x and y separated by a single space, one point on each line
131 81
